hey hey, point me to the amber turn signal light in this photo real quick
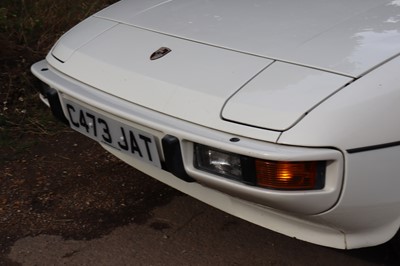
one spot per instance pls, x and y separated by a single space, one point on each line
287 175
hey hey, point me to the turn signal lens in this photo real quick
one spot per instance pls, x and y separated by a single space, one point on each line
287 175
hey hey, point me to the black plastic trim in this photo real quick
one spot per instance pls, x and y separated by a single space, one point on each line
248 170
374 147
55 105
173 158
59 60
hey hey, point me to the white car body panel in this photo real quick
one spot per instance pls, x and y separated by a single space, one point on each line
275 80
271 90
298 32
371 103
67 46
194 90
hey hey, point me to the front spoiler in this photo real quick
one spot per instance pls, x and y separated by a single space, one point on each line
291 213
186 134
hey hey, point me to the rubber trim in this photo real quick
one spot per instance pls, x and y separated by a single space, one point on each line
55 105
374 147
173 158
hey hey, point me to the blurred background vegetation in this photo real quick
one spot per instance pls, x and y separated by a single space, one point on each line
28 29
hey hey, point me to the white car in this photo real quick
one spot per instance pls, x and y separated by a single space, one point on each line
284 113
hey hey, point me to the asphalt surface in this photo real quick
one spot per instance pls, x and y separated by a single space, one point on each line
187 232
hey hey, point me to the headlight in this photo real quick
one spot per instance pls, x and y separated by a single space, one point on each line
218 162
305 175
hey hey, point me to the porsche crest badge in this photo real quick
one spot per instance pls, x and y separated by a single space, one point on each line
160 53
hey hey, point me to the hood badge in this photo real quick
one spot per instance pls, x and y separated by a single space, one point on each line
160 53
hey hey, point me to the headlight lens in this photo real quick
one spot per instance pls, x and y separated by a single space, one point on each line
218 162
305 175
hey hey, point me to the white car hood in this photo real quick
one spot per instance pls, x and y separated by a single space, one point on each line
349 36
267 69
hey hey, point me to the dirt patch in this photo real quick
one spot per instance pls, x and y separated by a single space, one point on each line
67 185
53 180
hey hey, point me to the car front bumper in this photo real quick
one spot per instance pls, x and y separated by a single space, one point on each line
295 213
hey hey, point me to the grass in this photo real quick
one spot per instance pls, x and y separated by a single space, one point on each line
28 29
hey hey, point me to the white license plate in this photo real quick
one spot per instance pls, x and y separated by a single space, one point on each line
114 133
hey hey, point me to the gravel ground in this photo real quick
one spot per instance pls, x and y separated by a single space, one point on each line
67 185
